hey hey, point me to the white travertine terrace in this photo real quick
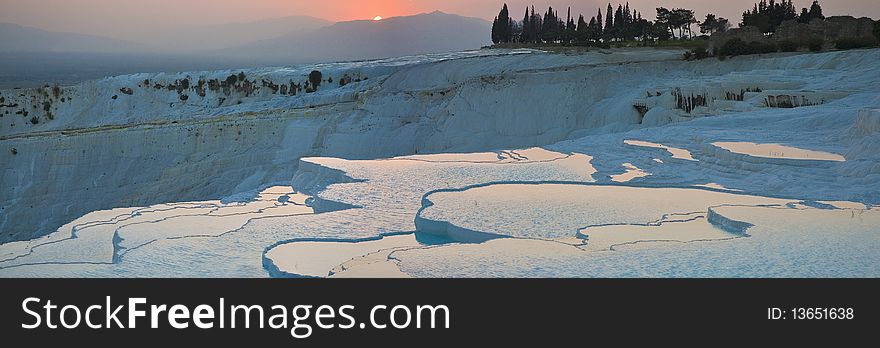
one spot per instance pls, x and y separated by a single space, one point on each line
778 151
485 163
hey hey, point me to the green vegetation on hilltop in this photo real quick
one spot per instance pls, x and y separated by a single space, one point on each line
673 28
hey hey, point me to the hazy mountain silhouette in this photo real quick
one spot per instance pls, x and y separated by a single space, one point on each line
31 57
220 36
17 38
367 39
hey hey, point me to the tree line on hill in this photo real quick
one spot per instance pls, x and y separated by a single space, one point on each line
769 15
622 24
626 24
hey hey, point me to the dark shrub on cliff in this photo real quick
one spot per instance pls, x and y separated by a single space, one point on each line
815 44
758 47
738 47
232 79
315 78
696 54
877 29
734 47
788 46
848 44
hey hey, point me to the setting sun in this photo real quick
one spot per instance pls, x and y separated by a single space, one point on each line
377 18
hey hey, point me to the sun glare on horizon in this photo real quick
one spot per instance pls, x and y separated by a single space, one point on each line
377 18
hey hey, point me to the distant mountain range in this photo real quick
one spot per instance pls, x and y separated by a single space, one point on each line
366 39
219 36
17 38
34 57
277 41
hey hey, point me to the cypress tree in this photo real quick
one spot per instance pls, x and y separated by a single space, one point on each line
627 32
537 26
618 22
582 30
609 23
547 34
510 29
495 37
595 30
504 27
